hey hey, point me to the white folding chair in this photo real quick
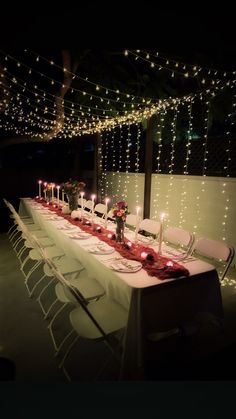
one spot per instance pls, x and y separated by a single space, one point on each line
217 251
89 206
75 272
80 202
95 321
131 220
179 238
150 226
100 209
35 257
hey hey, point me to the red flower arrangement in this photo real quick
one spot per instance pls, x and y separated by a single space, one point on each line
72 187
120 211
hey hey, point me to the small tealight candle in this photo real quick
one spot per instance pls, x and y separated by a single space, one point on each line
98 229
40 185
144 255
109 236
129 244
169 263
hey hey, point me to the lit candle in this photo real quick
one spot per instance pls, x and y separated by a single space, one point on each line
137 224
63 197
144 255
40 183
162 216
169 263
45 195
106 202
82 203
58 192
93 199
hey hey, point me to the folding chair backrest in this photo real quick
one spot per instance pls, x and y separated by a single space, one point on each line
89 205
150 226
100 208
215 250
131 220
178 237
80 202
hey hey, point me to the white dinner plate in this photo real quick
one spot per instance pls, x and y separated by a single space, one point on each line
100 249
125 265
79 236
67 227
146 240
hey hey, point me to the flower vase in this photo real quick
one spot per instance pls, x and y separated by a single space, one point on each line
120 228
73 201
48 196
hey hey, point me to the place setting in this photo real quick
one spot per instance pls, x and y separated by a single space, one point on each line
100 249
125 265
80 235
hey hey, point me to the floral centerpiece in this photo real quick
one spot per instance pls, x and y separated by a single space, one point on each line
72 188
119 212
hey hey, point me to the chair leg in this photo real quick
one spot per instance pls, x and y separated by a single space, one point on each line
56 346
68 351
35 285
56 314
46 313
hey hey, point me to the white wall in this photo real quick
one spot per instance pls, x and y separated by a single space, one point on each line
204 205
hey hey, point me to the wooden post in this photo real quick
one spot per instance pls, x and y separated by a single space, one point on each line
97 167
148 168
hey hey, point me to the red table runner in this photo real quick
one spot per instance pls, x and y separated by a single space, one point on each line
154 263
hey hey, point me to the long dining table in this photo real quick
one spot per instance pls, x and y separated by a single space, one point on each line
153 304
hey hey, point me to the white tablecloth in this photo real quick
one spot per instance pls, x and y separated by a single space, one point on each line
153 304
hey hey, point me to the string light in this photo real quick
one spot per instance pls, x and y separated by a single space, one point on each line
157 183
172 160
101 166
136 178
127 164
171 65
183 201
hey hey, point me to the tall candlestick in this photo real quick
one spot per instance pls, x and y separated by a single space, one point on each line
137 224
82 204
106 202
63 197
93 199
162 216
45 193
58 196
53 191
40 183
